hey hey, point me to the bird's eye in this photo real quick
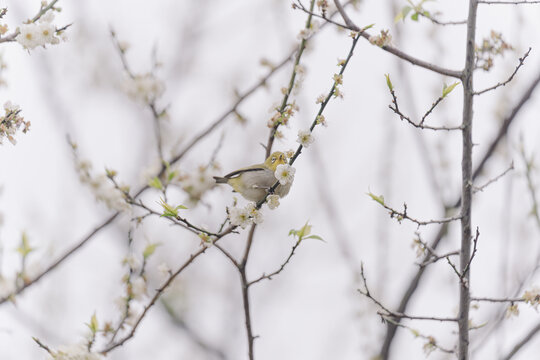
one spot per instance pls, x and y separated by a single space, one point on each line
273 159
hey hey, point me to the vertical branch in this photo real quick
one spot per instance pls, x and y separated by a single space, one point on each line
245 291
466 185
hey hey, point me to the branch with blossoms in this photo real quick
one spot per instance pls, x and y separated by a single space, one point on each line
38 31
241 97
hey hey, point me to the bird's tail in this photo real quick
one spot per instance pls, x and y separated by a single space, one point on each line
221 180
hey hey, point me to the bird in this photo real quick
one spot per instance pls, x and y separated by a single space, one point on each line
253 182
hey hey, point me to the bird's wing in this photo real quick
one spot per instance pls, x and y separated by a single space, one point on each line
244 170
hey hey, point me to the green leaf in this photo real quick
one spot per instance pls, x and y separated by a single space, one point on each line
171 176
402 14
447 89
150 249
316 237
389 82
414 17
24 249
379 199
367 27
93 325
169 210
156 183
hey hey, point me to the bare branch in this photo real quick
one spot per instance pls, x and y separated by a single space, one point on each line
402 215
420 125
386 313
521 62
269 276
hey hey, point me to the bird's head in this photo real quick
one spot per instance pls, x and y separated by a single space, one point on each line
277 158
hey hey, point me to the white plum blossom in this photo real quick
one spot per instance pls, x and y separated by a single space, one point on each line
164 269
103 189
254 213
75 352
305 138
285 174
7 286
272 201
139 288
40 33
144 88
239 217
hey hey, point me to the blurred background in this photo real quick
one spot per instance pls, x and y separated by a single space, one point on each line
208 50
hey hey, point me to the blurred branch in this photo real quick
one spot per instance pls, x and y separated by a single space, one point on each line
180 322
508 2
528 337
160 291
60 260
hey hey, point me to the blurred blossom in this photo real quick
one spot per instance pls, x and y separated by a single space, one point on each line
144 88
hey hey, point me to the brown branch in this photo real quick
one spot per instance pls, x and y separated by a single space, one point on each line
395 51
281 268
245 293
402 215
11 37
521 62
386 313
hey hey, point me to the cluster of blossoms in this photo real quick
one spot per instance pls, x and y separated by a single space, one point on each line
197 183
282 118
11 122
74 352
383 39
245 216
103 189
144 88
532 297
40 33
491 46
306 33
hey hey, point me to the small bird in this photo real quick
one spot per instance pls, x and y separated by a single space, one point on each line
252 182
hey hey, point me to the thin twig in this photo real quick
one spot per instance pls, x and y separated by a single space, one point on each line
420 125
281 268
495 179
521 62
386 313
